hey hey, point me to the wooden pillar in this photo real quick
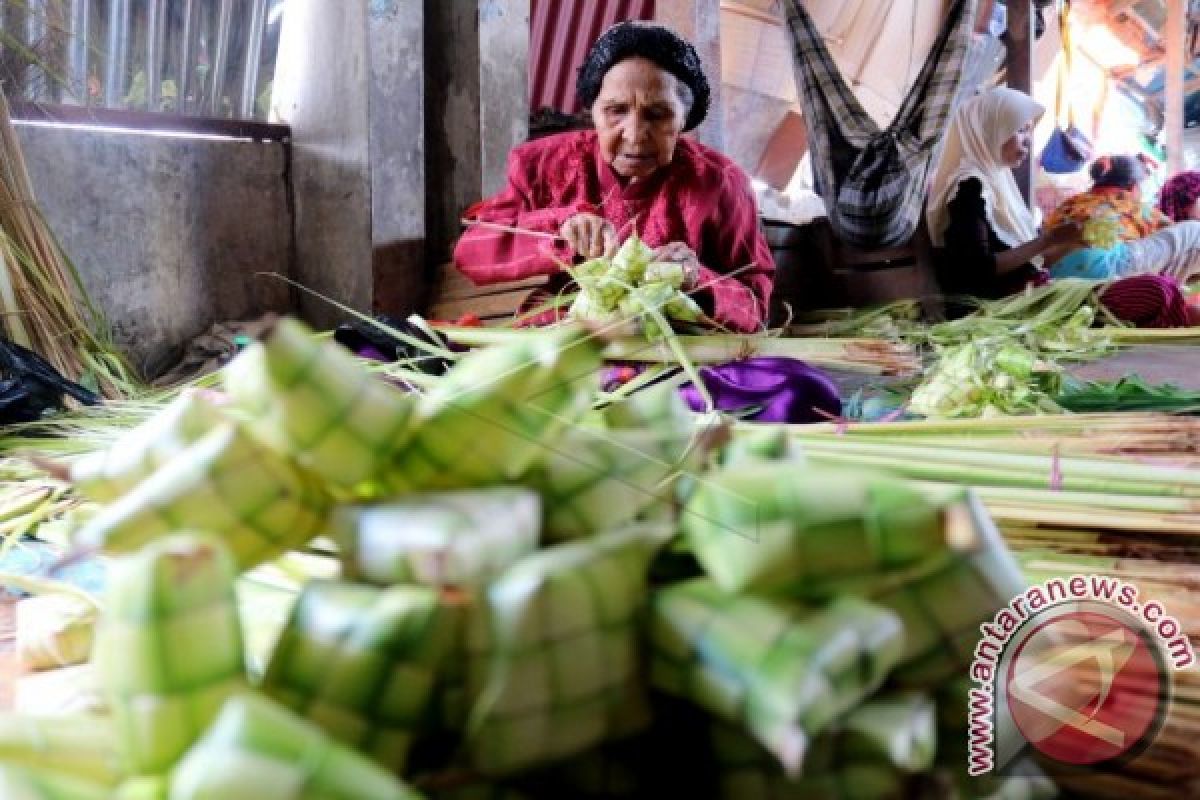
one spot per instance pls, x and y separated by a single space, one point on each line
1175 43
699 21
477 96
1019 41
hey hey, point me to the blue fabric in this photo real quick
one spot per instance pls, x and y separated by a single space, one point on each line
1093 263
33 558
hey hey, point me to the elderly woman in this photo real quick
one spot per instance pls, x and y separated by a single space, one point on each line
634 173
988 239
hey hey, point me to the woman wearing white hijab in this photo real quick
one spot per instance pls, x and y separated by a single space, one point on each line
975 212
988 240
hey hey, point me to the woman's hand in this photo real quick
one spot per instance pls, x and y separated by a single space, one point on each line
590 235
680 253
1066 237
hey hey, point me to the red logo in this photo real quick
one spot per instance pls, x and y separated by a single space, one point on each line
1085 687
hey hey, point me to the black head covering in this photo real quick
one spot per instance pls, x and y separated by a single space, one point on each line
1119 172
652 42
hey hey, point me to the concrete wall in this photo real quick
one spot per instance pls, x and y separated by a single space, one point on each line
167 232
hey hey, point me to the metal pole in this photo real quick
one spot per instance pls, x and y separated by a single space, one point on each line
79 31
258 25
156 34
120 18
37 76
1175 43
185 55
221 55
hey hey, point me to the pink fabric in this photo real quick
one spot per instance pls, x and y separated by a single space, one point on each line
701 198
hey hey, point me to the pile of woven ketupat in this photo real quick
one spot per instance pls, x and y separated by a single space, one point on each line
536 598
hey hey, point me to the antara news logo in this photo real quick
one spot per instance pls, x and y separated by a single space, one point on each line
1080 668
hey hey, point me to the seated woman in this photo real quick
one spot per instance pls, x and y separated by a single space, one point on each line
1116 194
989 242
1179 197
644 87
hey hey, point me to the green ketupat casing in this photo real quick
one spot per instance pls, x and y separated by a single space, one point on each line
256 501
786 527
106 475
783 672
361 662
498 410
310 400
258 750
455 538
169 647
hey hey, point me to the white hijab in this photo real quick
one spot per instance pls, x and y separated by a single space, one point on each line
977 133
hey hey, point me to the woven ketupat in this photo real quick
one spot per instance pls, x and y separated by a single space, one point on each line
169 647
312 401
783 672
760 443
944 600
599 479
458 538
18 783
563 673
778 526
143 788
1020 780
490 417
257 750
361 662
79 745
870 753
260 504
110 473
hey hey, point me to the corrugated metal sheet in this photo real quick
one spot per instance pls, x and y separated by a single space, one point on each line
561 32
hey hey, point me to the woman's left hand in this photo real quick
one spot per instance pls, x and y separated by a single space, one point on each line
680 253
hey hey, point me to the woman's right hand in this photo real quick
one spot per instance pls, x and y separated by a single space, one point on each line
1066 237
590 235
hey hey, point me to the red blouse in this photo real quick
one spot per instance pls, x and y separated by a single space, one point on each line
701 198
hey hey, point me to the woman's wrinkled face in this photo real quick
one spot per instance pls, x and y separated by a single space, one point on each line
1016 149
638 116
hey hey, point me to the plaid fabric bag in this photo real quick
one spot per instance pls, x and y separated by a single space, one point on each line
873 181
106 475
312 401
227 484
782 672
362 662
169 648
499 410
257 750
944 600
562 667
786 527
461 538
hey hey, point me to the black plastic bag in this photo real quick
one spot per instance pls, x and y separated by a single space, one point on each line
371 341
30 386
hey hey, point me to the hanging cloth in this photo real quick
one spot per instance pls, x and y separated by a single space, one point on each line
872 180
1068 149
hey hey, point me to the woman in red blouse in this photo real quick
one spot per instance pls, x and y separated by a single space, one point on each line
633 173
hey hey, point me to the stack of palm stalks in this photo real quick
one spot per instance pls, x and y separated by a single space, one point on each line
43 305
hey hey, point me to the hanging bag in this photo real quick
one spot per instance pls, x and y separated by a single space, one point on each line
1068 148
